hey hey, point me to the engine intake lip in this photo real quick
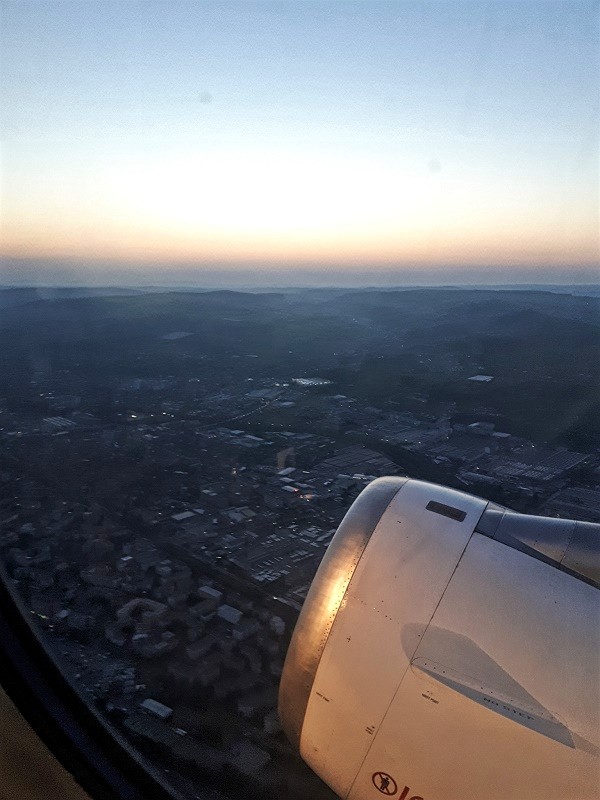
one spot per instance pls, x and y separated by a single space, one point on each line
324 600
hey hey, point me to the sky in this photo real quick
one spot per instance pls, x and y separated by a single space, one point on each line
299 142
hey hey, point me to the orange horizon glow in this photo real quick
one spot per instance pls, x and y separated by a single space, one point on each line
285 209
426 256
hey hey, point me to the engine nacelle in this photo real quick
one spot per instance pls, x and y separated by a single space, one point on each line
448 649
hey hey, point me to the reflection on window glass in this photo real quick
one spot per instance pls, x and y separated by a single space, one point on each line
225 230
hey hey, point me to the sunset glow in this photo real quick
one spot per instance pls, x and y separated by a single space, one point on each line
387 161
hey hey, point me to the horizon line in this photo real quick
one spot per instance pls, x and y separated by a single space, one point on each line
214 287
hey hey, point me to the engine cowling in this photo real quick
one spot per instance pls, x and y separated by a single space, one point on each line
449 648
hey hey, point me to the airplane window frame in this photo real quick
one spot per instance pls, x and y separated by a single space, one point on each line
100 760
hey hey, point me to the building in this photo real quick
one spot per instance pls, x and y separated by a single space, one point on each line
156 708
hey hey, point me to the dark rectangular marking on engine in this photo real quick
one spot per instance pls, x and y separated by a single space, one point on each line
446 511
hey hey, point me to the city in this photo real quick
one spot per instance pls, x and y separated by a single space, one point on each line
162 521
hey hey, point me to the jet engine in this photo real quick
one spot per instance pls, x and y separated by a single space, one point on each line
449 649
